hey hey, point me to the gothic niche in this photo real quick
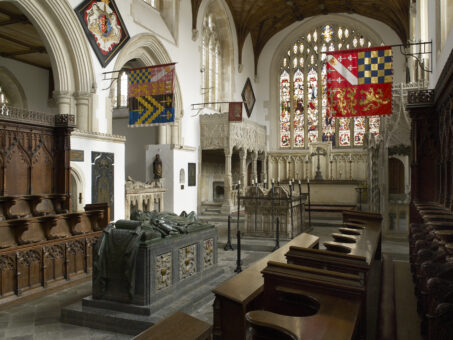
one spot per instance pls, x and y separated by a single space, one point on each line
218 191
102 179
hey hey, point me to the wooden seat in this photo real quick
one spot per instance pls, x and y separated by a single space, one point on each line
179 326
339 296
243 292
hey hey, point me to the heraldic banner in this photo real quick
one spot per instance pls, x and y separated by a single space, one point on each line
151 95
359 82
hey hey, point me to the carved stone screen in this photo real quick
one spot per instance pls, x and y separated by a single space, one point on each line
102 179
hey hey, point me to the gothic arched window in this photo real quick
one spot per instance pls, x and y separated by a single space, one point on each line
211 62
303 91
120 90
3 98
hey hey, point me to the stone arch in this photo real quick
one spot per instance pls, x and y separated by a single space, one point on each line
69 53
307 25
13 89
148 50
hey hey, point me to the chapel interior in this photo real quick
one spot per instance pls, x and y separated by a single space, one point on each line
238 204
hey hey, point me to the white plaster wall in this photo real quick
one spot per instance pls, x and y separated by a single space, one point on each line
439 59
173 160
117 148
136 141
34 81
185 199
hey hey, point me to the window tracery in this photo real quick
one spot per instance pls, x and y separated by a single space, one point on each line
303 91
120 90
211 62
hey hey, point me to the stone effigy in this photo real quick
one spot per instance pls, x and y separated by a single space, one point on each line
138 261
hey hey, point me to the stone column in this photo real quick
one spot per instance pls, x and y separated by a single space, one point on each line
254 156
82 108
175 133
243 168
263 159
162 135
63 100
228 182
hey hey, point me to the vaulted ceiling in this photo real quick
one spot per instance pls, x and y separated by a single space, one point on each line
263 18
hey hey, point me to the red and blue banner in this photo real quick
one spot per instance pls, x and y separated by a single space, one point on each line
359 82
151 95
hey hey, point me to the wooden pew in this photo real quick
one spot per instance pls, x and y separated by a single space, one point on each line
179 326
243 293
352 252
308 303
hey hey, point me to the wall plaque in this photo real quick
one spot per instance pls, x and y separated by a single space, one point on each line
192 175
102 179
248 96
77 155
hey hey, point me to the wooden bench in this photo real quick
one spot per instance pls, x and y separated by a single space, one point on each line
387 312
308 303
180 326
243 292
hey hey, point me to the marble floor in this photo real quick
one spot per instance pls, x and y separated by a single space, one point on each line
39 318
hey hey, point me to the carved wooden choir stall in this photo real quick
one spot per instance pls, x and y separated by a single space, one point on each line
42 243
431 217
302 292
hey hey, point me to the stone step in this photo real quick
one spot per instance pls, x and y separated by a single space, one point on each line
187 299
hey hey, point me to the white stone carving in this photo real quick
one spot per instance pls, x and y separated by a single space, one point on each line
163 271
217 133
187 261
208 252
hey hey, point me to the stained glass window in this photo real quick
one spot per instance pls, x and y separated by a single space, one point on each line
299 108
312 107
344 131
359 130
303 91
285 129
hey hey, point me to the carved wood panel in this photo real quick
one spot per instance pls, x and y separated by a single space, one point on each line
26 268
30 154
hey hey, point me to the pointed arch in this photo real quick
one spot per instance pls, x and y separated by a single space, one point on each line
149 51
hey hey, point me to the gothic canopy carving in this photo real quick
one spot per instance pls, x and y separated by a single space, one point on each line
263 18
217 133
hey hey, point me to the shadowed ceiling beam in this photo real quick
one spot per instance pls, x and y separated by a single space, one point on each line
16 41
21 19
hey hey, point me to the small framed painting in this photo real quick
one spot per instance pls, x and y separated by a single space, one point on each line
103 27
192 173
248 96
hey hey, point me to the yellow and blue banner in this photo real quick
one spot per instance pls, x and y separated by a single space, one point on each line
151 95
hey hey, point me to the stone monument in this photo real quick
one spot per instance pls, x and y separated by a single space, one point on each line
141 266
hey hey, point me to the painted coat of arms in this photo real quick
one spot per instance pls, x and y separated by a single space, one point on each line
104 28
